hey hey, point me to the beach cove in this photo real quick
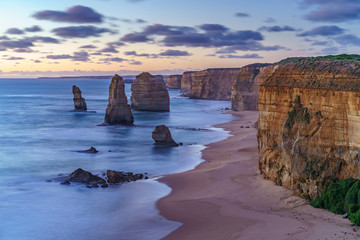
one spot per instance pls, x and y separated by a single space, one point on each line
226 198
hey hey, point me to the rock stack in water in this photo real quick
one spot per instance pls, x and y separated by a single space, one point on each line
173 81
118 110
149 94
79 101
162 136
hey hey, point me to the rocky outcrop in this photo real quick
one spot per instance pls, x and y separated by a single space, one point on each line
173 81
215 83
90 150
309 122
149 94
79 101
245 88
121 177
82 176
118 110
162 136
161 80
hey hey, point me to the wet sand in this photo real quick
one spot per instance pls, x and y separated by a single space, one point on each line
226 198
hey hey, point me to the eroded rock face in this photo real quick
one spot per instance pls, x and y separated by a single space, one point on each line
79 101
245 88
162 136
215 83
173 81
118 110
149 94
309 123
82 176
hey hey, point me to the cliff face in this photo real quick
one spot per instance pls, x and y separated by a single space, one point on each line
149 94
173 81
245 89
309 123
213 83
118 111
79 101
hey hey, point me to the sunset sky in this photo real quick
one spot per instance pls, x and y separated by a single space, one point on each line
103 37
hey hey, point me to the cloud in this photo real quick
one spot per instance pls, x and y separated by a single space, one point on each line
77 56
42 39
206 35
88 46
75 14
15 31
14 58
23 50
16 44
322 31
134 53
278 29
246 56
80 31
134 38
109 49
33 29
114 59
135 63
241 14
348 39
270 20
174 53
333 10
320 43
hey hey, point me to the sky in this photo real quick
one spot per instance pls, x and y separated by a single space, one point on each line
42 38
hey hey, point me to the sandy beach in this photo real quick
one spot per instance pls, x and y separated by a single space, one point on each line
226 198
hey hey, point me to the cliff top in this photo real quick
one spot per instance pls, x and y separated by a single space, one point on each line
340 72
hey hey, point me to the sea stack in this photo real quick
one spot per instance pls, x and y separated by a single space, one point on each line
79 101
173 81
162 136
149 94
118 110
245 89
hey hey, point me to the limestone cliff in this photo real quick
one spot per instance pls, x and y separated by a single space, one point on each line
245 88
214 83
79 101
118 110
149 94
173 81
309 122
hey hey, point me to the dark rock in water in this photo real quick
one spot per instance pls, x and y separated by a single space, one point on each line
118 110
90 150
79 101
105 185
162 136
120 177
92 185
66 182
82 176
146 178
49 180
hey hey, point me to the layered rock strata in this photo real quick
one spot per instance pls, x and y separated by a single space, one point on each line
245 88
309 122
214 84
162 136
118 110
149 93
173 81
79 101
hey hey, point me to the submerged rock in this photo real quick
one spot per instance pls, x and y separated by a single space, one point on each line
162 136
79 101
149 94
119 177
118 110
90 150
82 176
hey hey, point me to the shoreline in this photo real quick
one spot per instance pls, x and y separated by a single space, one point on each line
225 197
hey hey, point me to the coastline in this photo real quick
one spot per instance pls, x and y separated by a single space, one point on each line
225 197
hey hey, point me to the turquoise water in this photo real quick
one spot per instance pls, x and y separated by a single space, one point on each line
39 139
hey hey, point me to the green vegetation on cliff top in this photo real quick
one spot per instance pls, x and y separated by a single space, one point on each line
341 197
348 57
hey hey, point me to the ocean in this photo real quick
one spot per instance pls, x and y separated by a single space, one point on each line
40 137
